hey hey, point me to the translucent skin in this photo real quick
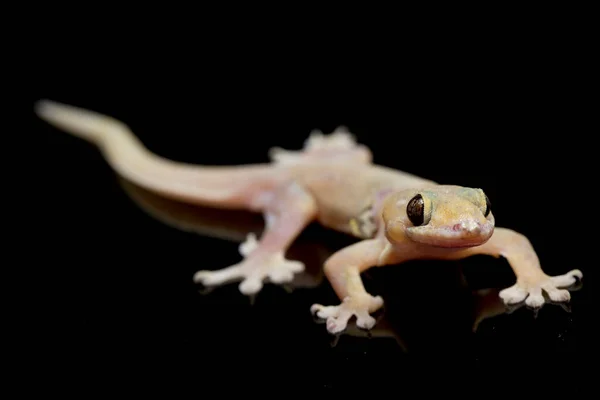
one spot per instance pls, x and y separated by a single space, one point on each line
332 180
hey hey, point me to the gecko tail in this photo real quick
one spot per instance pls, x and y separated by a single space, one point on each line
85 124
229 187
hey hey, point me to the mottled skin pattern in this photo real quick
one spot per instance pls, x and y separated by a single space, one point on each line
332 180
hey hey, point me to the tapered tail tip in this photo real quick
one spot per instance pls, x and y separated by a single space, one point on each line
42 108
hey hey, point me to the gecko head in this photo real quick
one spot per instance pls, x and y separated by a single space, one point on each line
443 216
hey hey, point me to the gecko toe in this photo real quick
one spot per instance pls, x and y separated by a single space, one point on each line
281 276
199 276
250 286
513 295
558 295
314 309
325 312
365 321
286 271
335 325
206 278
567 279
535 300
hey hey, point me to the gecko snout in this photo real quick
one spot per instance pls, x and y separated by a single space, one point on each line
467 226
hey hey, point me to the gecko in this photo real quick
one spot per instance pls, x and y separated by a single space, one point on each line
395 216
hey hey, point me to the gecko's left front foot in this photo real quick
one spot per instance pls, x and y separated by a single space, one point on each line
530 289
253 270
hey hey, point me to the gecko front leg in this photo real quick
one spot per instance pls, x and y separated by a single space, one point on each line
531 279
289 210
343 271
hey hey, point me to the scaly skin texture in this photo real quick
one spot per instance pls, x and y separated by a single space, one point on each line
332 180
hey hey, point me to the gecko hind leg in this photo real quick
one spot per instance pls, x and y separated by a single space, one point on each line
340 144
287 213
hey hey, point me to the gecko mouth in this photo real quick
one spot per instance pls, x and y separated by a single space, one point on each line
451 243
454 237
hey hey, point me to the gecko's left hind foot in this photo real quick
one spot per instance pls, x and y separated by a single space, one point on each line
339 143
531 289
253 270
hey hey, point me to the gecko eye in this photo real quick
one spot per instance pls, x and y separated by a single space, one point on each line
488 207
415 210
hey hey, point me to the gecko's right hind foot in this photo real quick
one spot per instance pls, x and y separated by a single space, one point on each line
252 273
253 270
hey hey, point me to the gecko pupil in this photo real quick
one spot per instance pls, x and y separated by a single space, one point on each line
415 210
488 206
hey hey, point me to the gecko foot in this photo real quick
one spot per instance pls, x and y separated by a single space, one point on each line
340 138
339 143
530 289
253 270
337 317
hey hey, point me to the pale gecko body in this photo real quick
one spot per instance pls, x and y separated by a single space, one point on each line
397 216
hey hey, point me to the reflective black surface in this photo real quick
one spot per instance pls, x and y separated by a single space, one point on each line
116 262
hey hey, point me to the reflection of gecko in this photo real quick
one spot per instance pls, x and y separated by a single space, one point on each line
397 216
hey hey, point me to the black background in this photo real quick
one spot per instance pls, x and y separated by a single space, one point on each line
118 302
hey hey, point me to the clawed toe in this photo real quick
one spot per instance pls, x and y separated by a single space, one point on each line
558 295
567 279
250 286
281 276
365 321
200 276
323 312
535 300
335 326
513 295
206 278
285 272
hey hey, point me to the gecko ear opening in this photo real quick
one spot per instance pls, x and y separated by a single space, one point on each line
418 210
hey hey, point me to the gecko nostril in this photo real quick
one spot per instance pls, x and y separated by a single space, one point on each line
466 226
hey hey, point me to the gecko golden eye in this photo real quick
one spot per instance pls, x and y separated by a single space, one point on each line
488 207
415 210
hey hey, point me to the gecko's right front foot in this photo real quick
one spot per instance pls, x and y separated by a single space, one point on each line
253 270
360 306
